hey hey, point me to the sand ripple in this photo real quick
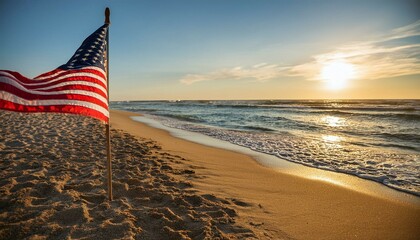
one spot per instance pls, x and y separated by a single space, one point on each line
53 186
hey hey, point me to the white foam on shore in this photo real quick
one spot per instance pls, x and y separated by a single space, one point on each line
344 180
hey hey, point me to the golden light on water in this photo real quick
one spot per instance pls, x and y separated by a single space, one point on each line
331 138
336 73
333 121
332 141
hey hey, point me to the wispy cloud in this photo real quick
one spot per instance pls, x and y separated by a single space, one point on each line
371 61
259 72
389 55
406 31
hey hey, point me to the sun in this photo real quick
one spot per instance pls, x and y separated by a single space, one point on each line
336 73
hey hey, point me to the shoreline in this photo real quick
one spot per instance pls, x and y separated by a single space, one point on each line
291 205
349 181
374 141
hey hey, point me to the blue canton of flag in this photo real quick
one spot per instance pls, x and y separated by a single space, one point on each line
92 52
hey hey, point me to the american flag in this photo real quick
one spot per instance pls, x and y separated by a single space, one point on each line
77 87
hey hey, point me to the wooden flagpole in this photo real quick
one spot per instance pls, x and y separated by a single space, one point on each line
108 135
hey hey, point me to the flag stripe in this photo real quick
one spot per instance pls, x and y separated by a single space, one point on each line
81 85
30 97
11 82
58 71
78 83
65 75
15 103
69 74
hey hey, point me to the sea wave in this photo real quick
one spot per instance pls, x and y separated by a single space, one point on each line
258 128
396 170
375 139
182 117
412 137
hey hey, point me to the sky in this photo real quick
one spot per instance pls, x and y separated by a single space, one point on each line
227 49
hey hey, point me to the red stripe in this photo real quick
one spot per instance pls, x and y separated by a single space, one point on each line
29 96
7 105
76 87
49 73
69 79
84 70
26 80
66 87
16 75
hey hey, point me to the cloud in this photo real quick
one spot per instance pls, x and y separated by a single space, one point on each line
390 55
370 61
260 72
406 31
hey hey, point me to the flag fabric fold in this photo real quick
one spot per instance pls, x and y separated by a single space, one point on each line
77 87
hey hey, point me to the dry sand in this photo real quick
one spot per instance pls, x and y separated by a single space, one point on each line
53 186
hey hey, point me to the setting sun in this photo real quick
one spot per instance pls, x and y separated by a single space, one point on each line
336 73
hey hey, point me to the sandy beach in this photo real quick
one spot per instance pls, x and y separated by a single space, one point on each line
53 186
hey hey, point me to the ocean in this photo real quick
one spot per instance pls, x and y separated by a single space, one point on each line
377 140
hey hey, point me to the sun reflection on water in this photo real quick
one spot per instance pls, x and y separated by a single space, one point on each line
333 121
332 141
331 138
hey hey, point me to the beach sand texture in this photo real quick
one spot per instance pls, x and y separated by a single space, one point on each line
53 186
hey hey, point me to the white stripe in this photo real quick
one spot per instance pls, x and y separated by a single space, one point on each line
57 73
18 100
80 74
81 92
50 76
7 74
90 84
86 83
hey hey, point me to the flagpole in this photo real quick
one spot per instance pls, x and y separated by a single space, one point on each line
108 137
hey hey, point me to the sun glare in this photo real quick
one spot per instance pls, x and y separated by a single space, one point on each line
336 73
